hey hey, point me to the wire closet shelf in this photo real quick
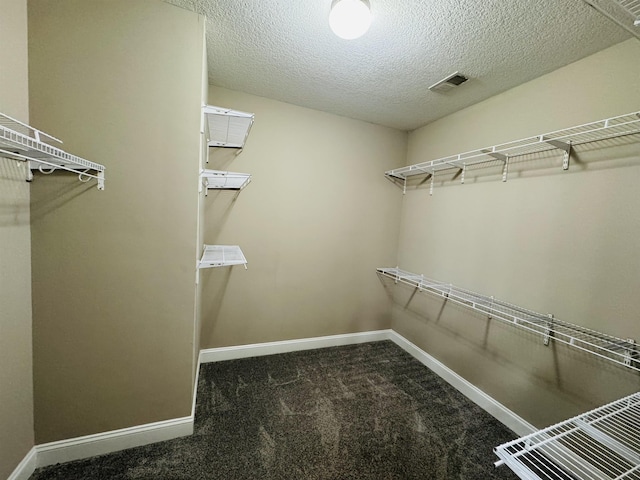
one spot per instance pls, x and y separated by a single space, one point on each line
220 180
617 350
601 444
561 140
226 127
19 141
222 256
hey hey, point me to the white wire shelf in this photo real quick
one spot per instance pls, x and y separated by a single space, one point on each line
227 128
219 180
19 141
601 444
633 8
617 350
222 256
561 140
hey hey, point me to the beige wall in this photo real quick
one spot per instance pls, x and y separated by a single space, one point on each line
315 222
114 271
555 242
16 391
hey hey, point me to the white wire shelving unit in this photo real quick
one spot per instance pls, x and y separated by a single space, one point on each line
220 180
21 142
559 140
226 127
620 351
601 444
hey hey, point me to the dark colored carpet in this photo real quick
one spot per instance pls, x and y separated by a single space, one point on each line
366 411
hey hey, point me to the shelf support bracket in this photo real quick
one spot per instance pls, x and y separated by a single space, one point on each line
629 351
463 170
505 168
548 332
505 161
564 146
490 316
433 176
29 172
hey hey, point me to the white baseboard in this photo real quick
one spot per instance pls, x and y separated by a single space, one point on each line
272 348
116 440
473 393
26 467
112 441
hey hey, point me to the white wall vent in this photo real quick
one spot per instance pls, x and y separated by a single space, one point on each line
452 81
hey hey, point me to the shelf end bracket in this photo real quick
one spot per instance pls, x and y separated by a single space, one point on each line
548 331
629 352
564 146
504 159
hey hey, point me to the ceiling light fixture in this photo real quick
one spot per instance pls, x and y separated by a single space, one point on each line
350 19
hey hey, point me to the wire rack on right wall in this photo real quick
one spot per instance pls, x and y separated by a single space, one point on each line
601 444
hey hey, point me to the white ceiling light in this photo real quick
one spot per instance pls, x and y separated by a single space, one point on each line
350 19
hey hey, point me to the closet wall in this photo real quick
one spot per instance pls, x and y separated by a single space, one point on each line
314 223
114 270
16 391
555 242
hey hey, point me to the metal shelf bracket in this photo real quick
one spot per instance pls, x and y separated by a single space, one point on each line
548 333
564 146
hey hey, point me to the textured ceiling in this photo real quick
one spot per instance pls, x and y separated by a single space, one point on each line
284 50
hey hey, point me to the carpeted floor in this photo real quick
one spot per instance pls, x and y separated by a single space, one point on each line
366 411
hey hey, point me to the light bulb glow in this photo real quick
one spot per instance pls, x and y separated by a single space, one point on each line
350 19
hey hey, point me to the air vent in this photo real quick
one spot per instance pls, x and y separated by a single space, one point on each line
448 83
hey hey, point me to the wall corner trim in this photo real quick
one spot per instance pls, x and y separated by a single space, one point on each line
26 467
112 441
501 413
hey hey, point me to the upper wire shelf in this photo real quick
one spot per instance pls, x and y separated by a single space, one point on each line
220 180
618 350
227 128
21 142
562 140
601 444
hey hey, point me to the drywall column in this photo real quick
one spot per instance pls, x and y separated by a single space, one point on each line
114 271
314 223
555 242
204 91
16 390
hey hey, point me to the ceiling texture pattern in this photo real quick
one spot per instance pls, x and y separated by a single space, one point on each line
285 50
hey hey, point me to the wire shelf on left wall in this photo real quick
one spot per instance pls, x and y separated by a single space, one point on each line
21 142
